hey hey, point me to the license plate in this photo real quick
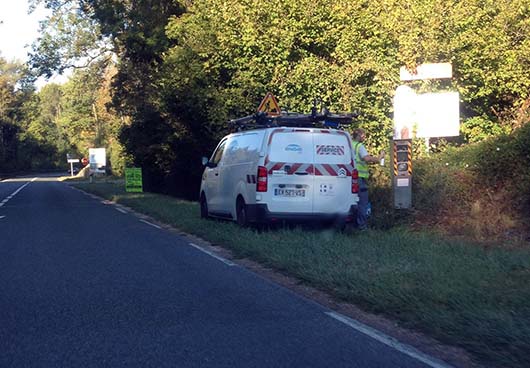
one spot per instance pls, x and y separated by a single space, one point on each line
289 192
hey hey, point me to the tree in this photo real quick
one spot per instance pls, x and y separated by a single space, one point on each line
182 72
70 38
17 107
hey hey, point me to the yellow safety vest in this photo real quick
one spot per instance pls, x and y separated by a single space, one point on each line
360 164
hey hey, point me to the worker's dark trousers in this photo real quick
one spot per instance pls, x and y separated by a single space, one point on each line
362 206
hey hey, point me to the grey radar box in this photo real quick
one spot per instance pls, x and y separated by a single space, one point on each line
401 158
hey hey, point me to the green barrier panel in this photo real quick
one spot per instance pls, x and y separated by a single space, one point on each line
133 179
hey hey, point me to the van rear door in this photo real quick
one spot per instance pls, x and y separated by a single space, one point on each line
289 163
333 167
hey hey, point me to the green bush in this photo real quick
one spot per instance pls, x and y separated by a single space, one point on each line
481 189
479 128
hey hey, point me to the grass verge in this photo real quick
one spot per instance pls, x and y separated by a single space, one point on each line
459 293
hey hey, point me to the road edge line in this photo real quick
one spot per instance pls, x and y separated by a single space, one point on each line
150 224
389 341
225 261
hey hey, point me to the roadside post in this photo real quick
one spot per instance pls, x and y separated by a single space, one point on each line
133 180
401 158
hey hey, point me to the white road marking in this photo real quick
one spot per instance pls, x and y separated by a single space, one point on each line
5 200
122 211
225 261
389 341
1 217
150 224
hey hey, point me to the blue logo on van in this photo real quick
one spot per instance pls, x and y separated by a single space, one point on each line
294 148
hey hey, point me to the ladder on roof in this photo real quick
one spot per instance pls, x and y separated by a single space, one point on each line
324 119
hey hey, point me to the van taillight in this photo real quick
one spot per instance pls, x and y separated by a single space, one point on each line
355 181
261 185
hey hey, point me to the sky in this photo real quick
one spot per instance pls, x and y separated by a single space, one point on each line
18 30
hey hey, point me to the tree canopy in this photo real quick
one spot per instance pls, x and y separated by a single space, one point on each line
183 68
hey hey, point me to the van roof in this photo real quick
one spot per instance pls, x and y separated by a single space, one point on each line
261 120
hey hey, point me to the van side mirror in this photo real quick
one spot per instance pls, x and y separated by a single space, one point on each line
207 163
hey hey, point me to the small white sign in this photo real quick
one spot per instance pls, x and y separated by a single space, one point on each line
73 160
427 71
403 182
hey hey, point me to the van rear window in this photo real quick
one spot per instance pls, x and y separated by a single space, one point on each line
291 147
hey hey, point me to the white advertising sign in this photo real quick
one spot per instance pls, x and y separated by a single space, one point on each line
425 115
438 115
97 158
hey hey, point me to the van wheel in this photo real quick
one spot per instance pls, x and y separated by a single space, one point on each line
241 212
204 207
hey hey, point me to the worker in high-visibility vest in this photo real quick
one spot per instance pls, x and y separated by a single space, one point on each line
362 160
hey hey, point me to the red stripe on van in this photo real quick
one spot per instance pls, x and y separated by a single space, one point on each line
329 169
325 131
277 166
317 172
294 168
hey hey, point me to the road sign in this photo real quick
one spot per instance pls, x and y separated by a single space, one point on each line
133 179
84 161
269 105
71 159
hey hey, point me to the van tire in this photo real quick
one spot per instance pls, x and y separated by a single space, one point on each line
204 207
241 212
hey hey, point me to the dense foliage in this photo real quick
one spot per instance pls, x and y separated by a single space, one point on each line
18 150
38 129
184 67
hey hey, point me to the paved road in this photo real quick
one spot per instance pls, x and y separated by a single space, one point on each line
84 285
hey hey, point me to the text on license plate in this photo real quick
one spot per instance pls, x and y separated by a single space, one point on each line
289 192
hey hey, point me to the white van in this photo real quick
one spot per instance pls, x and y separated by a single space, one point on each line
281 173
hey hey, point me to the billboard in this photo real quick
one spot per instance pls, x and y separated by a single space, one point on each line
425 115
438 115
97 159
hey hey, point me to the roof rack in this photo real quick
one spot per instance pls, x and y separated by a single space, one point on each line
324 119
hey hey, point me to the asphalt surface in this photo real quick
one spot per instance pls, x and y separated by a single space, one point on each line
84 285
